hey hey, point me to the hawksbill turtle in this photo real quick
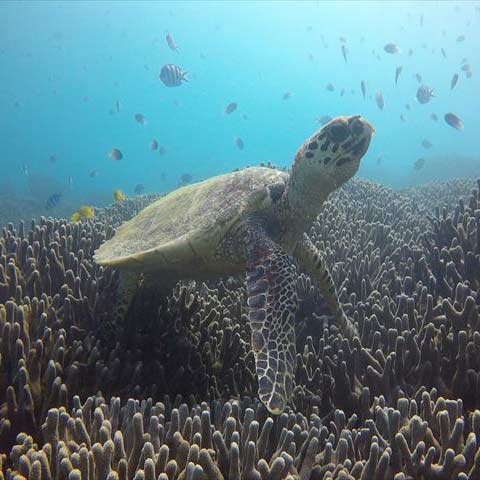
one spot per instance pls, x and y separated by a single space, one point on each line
254 221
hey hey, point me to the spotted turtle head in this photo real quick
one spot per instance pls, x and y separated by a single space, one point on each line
327 160
336 149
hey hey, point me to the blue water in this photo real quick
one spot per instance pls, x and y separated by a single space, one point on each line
63 65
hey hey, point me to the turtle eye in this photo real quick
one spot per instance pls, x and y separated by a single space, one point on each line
338 132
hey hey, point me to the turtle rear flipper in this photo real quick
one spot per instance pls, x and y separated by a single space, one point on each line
272 298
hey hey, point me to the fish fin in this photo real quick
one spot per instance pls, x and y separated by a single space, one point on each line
184 76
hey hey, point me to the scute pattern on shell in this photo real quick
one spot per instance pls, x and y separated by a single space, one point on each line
187 212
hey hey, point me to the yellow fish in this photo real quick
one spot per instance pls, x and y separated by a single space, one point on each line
86 211
119 196
75 217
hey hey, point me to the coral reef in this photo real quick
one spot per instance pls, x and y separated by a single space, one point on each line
170 393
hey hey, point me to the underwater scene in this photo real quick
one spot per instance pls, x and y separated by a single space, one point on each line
239 240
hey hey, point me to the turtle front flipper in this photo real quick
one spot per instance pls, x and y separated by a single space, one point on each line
272 298
311 260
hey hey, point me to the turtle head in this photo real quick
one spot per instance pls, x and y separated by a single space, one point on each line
326 161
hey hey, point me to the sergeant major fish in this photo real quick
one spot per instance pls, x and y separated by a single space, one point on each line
172 75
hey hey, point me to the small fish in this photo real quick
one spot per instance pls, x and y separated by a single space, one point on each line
418 77
342 39
75 217
139 188
364 88
53 200
286 95
153 145
402 117
466 67
86 211
454 81
162 150
52 158
454 121
407 106
424 94
379 100
443 52
119 196
185 179
421 20
434 117
140 118
426 143
330 87
171 42
94 173
342 92
239 143
25 169
117 106
172 75
70 182
231 107
391 48
324 119
344 53
460 38
419 163
115 154
398 71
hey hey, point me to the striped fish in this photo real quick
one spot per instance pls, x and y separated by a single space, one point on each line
53 200
172 76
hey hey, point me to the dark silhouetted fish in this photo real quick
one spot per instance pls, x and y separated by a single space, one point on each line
117 106
330 87
426 143
434 117
402 117
140 118
52 158
419 163
453 120
94 173
115 154
460 38
171 42
454 81
379 100
443 52
342 92
364 88
391 48
231 107
398 71
421 20
418 77
172 75
287 95
407 106
139 188
153 145
162 150
424 94
344 53
239 143
53 200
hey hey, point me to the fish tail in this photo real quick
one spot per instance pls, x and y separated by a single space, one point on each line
185 77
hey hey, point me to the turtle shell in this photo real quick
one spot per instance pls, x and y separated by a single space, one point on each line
180 231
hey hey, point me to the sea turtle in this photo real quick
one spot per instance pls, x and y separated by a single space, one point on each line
254 221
